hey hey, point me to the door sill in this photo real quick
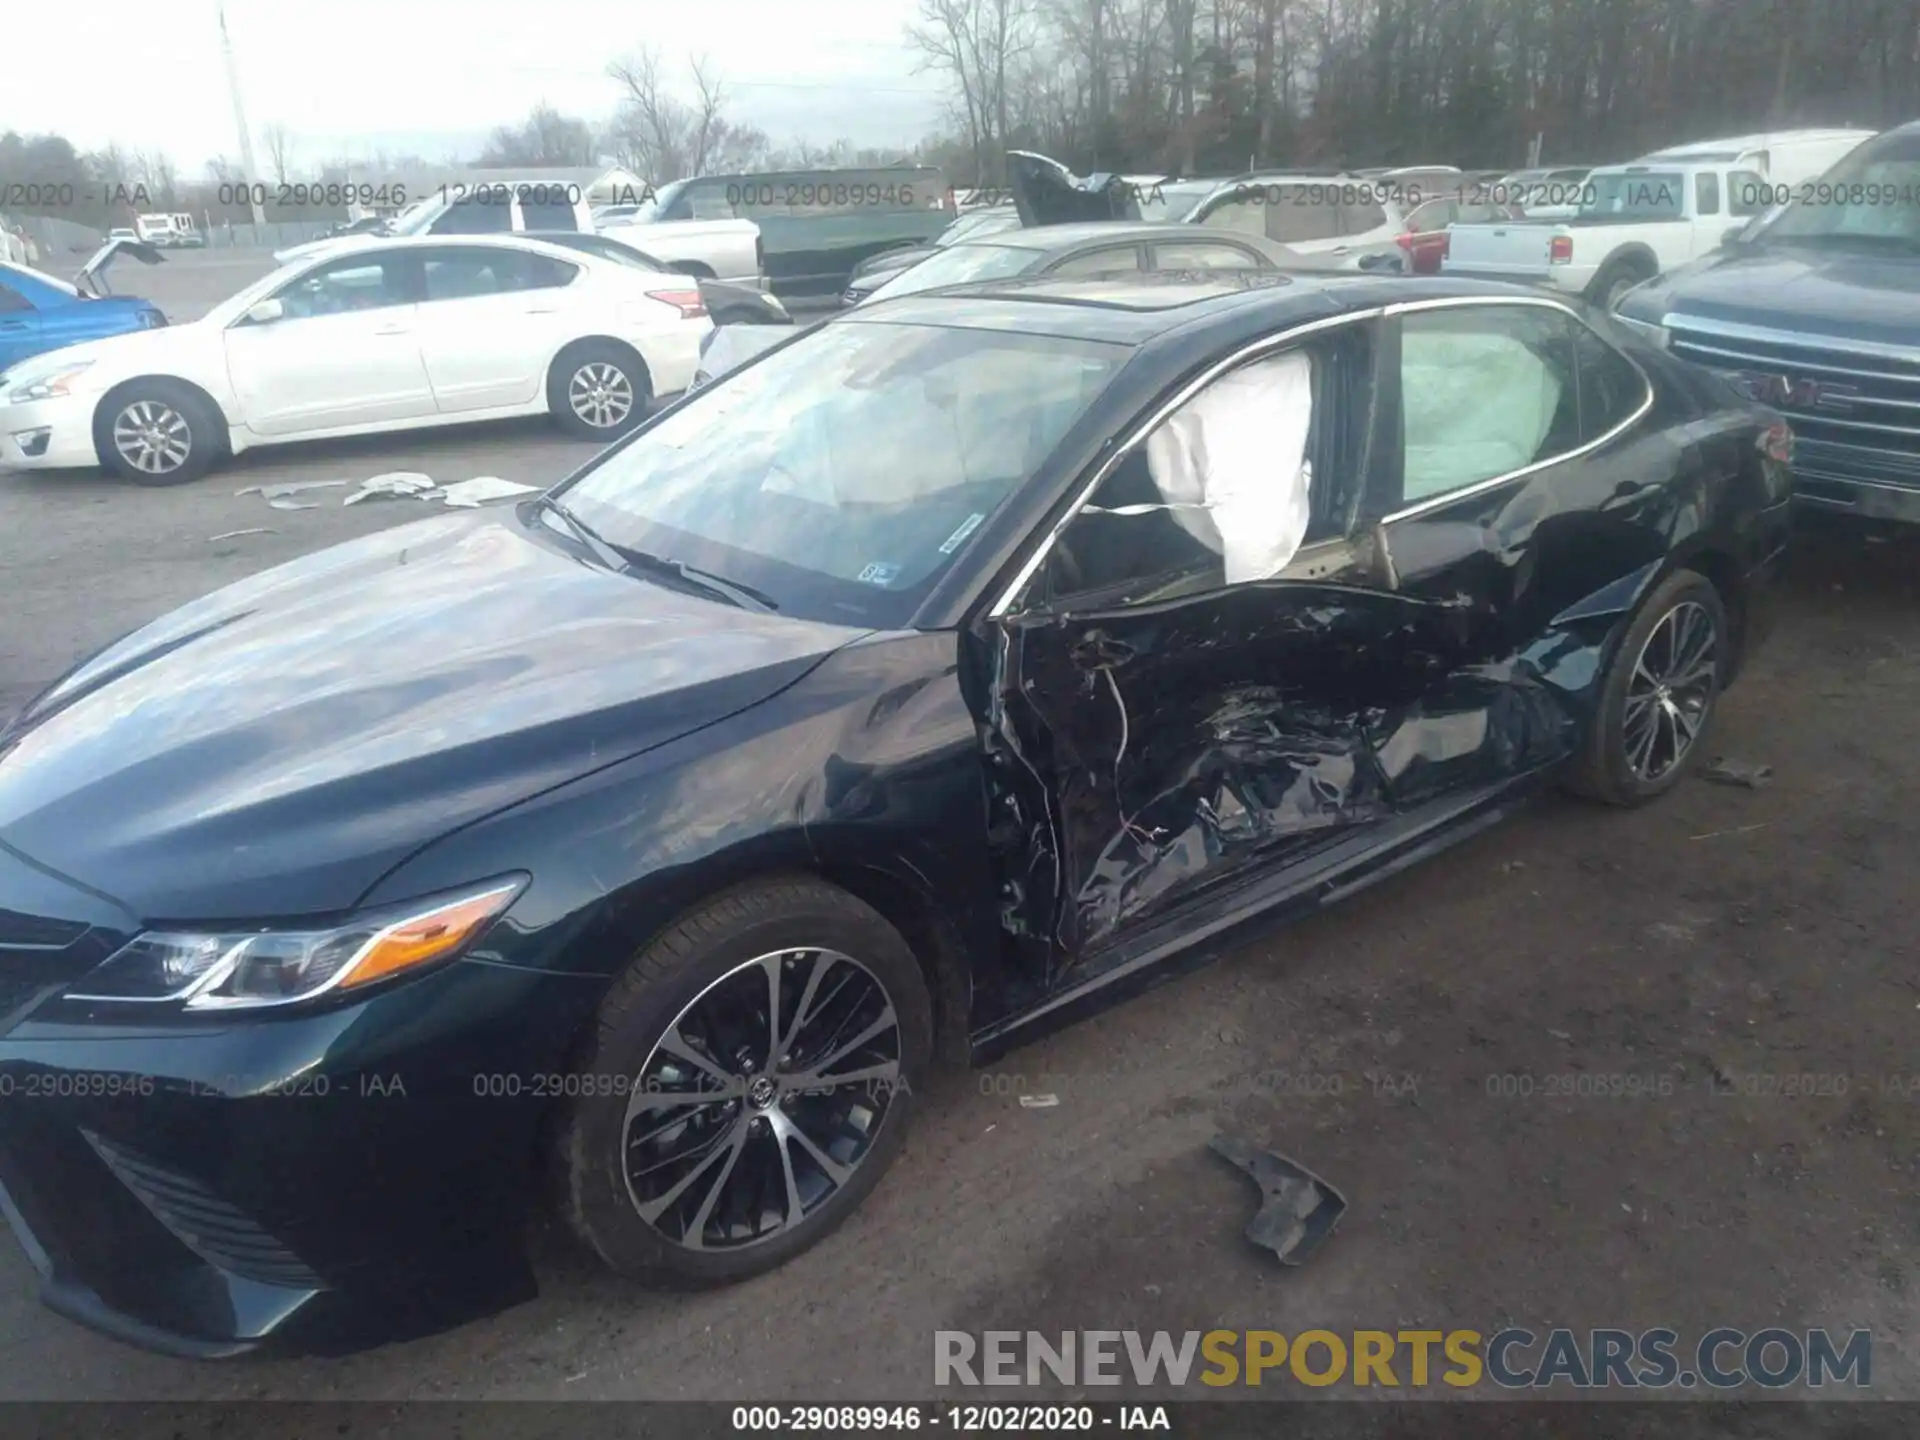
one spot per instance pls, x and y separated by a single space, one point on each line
1311 883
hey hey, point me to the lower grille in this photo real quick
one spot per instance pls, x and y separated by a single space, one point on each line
212 1228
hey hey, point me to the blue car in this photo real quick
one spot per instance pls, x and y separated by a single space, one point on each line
39 313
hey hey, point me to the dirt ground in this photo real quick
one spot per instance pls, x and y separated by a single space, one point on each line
1422 1047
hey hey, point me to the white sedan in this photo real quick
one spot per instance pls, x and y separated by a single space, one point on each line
389 334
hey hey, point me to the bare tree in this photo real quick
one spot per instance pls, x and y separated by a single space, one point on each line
666 138
159 175
279 146
978 43
546 139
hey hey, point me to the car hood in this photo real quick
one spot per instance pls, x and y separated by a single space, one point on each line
113 354
276 747
1045 192
1845 293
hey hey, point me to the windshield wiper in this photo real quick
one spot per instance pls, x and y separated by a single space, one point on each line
586 535
624 561
732 591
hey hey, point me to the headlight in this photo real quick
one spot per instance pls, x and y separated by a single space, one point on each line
46 384
241 969
1654 335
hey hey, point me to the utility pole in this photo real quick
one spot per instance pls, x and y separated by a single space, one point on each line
240 119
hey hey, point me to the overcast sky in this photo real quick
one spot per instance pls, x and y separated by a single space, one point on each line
347 77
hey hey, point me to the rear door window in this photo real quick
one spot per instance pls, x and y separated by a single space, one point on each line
1297 213
1485 390
1360 216
549 207
476 215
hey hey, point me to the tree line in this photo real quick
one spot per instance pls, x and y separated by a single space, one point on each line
1180 87
1202 86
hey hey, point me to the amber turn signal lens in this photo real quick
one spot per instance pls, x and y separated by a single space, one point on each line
426 937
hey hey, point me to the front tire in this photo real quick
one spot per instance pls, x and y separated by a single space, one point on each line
764 1053
1658 700
598 390
157 432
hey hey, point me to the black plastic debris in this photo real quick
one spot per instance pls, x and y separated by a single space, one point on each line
1743 773
1299 1209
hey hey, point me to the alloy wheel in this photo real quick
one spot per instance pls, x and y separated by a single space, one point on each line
152 437
761 1099
600 394
1672 689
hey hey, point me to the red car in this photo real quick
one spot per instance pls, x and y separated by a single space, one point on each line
1424 240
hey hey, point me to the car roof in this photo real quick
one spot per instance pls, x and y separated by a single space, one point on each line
518 240
1134 309
1049 239
1739 144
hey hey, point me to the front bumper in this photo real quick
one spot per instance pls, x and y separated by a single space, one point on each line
319 1183
52 434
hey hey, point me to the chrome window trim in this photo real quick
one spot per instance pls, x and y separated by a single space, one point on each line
1733 330
1254 350
1494 482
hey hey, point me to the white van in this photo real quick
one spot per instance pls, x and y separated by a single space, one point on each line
153 229
1785 157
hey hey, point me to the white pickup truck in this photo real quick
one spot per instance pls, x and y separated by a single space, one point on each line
1636 221
729 250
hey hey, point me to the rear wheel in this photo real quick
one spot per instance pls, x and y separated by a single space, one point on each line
1612 284
157 432
766 1049
598 390
1657 702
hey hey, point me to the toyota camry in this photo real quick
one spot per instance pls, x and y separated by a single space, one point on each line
973 661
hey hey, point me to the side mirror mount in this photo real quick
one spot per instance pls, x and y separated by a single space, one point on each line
265 312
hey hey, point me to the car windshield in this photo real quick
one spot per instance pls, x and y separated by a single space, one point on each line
975 227
1635 195
415 219
1174 200
842 474
959 264
1873 194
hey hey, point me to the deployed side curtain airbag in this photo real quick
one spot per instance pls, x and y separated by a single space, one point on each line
1231 464
1477 404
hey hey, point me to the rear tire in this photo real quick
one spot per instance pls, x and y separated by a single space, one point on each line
1658 699
598 390
158 432
681 1191
1613 282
